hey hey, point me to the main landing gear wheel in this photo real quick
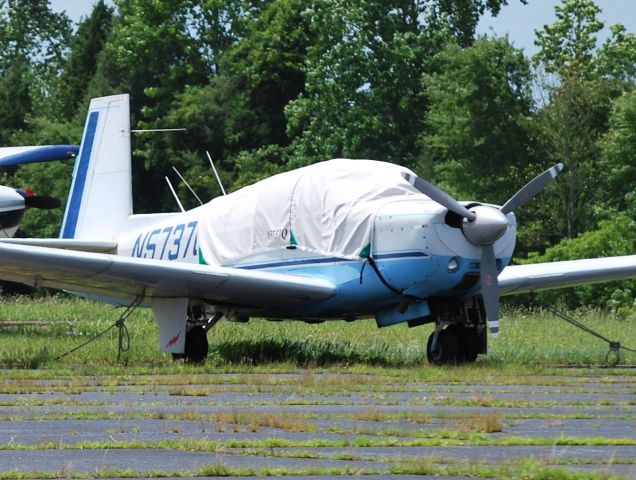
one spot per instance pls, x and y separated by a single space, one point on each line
446 349
196 347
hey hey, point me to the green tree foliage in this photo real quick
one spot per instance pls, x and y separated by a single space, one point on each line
579 126
613 237
80 64
29 30
32 41
15 99
584 82
363 92
241 109
478 141
150 52
152 55
219 24
53 179
570 129
266 71
619 153
569 43
617 56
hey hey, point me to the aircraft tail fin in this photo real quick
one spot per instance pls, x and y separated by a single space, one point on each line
100 199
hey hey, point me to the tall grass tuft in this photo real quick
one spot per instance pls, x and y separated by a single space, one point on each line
29 358
309 352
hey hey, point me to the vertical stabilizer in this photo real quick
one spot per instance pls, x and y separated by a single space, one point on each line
100 199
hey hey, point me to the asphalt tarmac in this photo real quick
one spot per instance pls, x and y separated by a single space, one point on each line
304 424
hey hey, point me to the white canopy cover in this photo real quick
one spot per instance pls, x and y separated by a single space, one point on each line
327 208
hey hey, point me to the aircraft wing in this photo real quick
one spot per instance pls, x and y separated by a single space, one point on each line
44 153
125 278
100 246
547 276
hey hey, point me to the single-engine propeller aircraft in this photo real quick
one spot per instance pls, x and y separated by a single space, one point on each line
341 239
15 201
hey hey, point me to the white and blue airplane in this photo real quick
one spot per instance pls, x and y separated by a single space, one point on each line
15 201
341 239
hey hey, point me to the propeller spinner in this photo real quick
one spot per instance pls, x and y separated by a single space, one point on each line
483 226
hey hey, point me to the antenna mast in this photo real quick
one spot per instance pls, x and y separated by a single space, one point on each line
174 194
187 185
215 172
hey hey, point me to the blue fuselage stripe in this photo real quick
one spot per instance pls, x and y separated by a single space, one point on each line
289 263
79 182
387 256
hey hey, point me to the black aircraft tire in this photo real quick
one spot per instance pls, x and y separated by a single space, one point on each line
468 356
447 348
466 343
196 346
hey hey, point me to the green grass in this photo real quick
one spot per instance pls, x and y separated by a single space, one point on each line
436 438
537 339
527 470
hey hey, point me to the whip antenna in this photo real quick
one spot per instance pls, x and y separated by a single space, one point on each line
215 172
145 130
187 185
174 194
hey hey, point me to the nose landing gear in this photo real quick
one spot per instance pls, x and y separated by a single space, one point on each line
455 344
464 336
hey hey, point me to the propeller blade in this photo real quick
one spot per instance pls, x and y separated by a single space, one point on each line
490 288
439 196
41 201
531 189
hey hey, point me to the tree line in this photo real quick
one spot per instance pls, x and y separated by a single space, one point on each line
270 85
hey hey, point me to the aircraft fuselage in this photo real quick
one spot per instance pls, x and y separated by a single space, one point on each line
413 253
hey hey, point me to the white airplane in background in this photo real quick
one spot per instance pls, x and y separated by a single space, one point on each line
341 239
13 201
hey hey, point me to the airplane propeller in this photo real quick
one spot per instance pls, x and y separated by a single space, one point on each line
483 226
42 201
31 200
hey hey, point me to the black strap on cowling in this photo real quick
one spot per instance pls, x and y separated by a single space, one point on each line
379 274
